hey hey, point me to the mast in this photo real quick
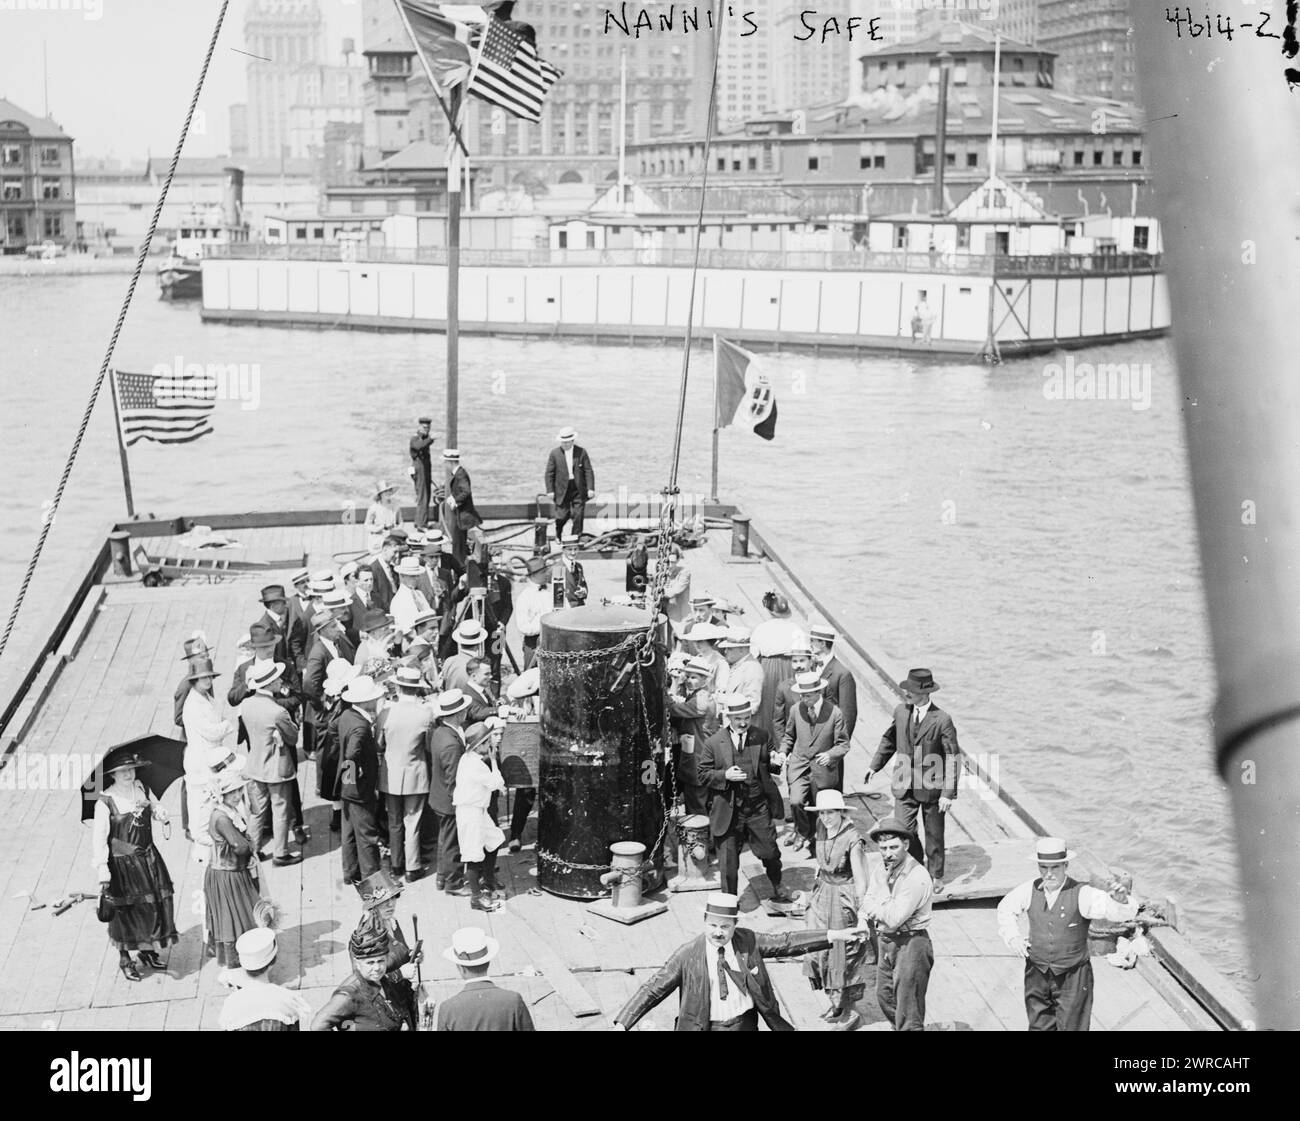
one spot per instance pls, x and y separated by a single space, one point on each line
1239 397
997 96
454 164
622 130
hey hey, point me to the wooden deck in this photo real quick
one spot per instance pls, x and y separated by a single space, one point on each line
58 971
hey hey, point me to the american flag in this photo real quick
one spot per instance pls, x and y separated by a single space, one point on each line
167 409
509 72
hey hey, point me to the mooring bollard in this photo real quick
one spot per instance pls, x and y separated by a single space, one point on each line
693 872
119 551
740 535
624 880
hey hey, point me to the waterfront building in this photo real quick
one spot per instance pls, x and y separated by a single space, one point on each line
1093 40
38 181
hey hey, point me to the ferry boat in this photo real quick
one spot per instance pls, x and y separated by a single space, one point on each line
180 277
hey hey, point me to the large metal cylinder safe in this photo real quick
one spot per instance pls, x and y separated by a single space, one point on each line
599 779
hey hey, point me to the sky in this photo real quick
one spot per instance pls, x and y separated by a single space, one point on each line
120 83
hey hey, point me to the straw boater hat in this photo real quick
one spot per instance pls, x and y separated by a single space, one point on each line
823 632
722 905
890 826
697 666
471 946
219 760
1052 850
336 600
919 681
409 677
361 689
451 453
202 668
705 632
526 684
409 566
800 646
810 682
735 704
451 702
302 576
382 488
469 633
322 582
262 675
272 592
829 800
423 617
378 887
230 778
567 433
735 639
702 601
351 568
256 948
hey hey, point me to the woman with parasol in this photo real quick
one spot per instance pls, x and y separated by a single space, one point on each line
230 883
132 875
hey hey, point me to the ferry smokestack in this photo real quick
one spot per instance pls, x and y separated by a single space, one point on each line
232 197
941 132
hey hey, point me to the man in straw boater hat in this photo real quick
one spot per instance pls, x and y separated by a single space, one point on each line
470 638
570 481
339 604
258 1004
841 688
409 601
302 606
735 764
403 731
422 469
691 710
1058 967
897 908
446 746
462 514
814 744
328 642
801 661
721 975
272 763
925 779
359 778
480 1005
744 674
370 998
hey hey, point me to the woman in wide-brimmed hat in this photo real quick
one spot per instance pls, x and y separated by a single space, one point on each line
131 870
230 890
841 885
479 836
337 674
383 515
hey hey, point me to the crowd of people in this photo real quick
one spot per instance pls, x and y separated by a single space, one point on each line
388 673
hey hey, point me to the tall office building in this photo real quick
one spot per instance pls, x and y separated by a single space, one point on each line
282 35
806 71
1093 41
1016 19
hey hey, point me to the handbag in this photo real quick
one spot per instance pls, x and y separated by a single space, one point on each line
105 909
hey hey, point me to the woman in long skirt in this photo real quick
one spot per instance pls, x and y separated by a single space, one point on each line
230 883
131 869
841 885
479 836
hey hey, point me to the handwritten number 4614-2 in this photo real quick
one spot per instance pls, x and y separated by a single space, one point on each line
1222 25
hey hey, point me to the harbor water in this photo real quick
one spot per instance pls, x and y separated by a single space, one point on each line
1033 546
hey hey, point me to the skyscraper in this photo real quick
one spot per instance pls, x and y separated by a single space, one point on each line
282 35
1093 40
1016 19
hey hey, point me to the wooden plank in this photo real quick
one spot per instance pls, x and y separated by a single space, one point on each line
565 984
1201 979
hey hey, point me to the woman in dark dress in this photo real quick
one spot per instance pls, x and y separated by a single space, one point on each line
230 882
369 999
131 870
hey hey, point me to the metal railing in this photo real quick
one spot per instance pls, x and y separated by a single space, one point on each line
853 260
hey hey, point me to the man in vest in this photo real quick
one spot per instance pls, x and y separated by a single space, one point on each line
1058 970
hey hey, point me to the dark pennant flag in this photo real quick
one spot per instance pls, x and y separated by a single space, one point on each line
167 410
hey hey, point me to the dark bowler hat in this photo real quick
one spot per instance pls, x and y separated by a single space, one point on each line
374 619
272 592
890 826
425 420
259 634
919 681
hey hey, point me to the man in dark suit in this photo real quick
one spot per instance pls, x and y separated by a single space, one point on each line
276 619
841 688
735 763
570 481
328 642
446 746
925 779
422 470
480 1005
721 975
478 687
359 779
383 569
814 744
783 703
298 622
266 645
462 514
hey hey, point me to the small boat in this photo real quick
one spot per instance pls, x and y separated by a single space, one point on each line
180 277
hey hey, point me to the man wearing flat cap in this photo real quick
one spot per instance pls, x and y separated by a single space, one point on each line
897 908
570 481
1058 966
422 469
721 976
925 778
735 764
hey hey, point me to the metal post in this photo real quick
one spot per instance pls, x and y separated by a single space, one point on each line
452 439
941 133
1238 316
740 535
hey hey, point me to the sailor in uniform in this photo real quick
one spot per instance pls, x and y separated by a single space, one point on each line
422 469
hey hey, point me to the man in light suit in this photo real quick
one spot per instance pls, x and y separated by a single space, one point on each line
814 744
480 1005
408 601
721 975
570 481
403 730
925 778
736 765
272 765
462 515
841 688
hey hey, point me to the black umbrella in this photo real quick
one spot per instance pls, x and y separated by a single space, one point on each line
160 764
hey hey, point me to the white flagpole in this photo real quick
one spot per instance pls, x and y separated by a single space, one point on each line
713 492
